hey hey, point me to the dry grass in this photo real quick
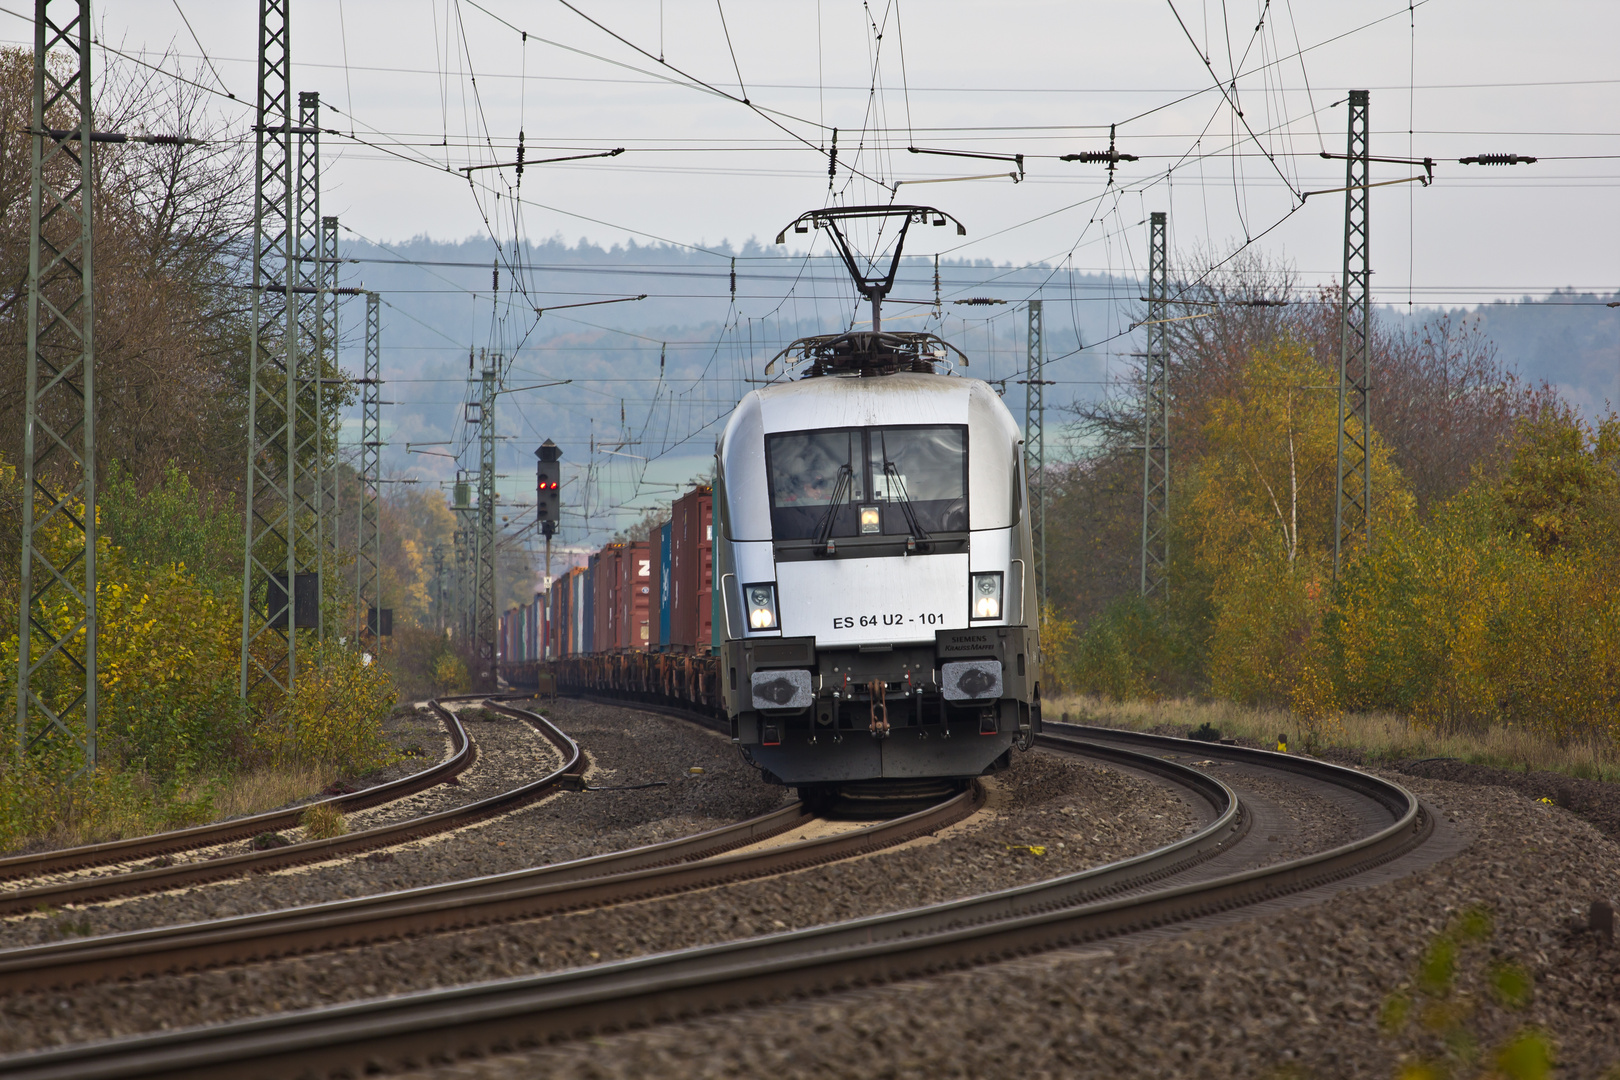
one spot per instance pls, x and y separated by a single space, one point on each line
266 789
124 805
1377 736
323 821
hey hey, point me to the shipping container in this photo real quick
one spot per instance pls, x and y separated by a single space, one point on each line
557 624
577 643
661 587
604 599
586 609
632 601
553 602
691 610
534 628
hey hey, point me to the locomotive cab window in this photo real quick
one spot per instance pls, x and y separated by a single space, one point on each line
892 481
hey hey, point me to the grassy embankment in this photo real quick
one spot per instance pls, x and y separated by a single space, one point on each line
1374 737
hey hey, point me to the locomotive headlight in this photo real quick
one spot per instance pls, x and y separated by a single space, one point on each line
761 606
985 595
871 519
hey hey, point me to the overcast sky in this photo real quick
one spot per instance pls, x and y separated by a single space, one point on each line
438 84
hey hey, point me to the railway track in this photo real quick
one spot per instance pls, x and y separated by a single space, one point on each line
91 889
693 862
1210 871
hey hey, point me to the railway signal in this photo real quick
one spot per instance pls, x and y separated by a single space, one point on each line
548 495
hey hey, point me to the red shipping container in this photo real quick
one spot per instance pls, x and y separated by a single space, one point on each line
633 596
691 571
604 593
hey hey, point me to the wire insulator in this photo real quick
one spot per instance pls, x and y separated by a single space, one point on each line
1098 157
1497 159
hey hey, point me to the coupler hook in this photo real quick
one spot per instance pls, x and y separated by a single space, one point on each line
880 709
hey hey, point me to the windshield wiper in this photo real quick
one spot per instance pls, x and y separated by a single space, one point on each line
824 530
891 472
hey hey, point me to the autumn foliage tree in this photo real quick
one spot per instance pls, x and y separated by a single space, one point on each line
1489 594
1261 504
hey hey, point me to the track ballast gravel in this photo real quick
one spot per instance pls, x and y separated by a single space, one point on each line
510 753
1594 800
1077 814
1295 994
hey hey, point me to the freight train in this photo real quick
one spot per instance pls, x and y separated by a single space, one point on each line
853 594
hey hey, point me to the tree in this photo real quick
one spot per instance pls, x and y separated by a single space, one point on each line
1443 407
171 320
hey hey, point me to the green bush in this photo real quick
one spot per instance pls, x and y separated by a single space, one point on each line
1122 653
173 523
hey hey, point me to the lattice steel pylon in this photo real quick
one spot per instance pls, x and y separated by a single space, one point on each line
1156 416
309 487
331 376
368 547
465 512
271 564
1352 505
56 646
438 588
484 626
1035 442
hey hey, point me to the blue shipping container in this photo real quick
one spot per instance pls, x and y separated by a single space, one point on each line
663 586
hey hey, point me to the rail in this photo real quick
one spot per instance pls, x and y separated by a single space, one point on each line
694 862
1072 909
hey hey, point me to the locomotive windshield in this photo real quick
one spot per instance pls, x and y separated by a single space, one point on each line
822 480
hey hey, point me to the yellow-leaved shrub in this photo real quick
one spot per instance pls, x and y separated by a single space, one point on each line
336 716
1505 606
171 725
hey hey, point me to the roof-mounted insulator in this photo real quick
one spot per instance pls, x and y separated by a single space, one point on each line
1497 159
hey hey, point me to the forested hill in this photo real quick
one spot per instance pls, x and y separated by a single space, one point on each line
1571 340
657 375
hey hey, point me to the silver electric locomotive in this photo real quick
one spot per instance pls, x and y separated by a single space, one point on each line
873 566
